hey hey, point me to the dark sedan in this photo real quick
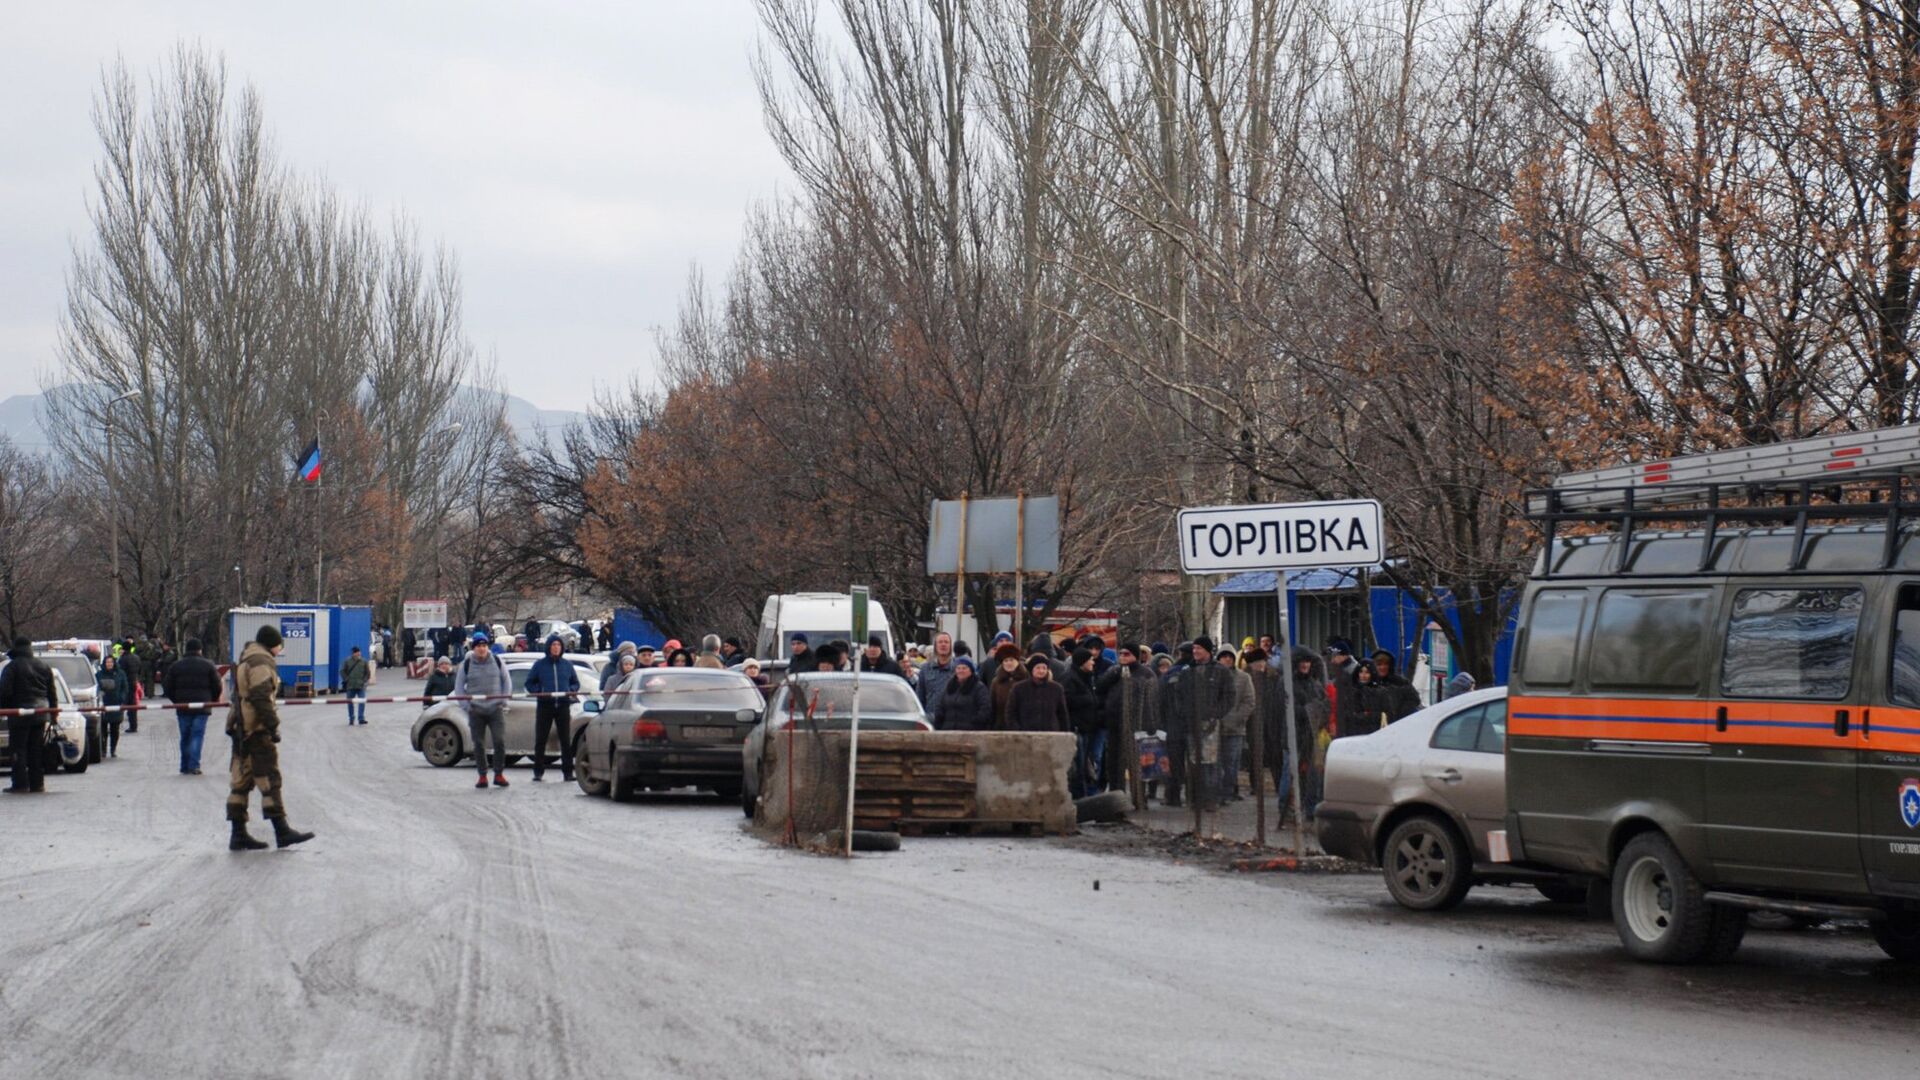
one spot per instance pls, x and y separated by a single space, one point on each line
666 728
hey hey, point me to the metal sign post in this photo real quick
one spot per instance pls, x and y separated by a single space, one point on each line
1282 537
860 594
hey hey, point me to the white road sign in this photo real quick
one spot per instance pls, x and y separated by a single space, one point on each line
1281 536
423 614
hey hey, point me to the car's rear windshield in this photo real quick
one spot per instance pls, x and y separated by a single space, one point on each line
77 669
876 696
686 689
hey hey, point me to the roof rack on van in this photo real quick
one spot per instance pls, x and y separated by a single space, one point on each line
1862 475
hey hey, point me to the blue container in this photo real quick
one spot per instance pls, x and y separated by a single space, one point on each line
630 625
346 627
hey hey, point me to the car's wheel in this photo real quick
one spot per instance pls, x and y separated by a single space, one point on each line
747 801
1899 937
440 744
1426 864
96 746
1563 893
729 792
77 767
1660 907
583 774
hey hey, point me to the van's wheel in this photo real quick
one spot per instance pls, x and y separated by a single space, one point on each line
1426 864
1899 937
582 771
1660 908
440 744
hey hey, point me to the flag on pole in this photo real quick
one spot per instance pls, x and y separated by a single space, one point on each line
308 463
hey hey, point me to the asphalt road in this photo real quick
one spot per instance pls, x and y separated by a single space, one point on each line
433 930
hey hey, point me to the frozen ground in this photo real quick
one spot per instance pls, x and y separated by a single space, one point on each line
434 930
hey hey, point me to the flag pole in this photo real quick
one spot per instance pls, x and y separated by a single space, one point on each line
319 520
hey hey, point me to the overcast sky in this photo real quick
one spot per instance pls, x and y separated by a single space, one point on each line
579 157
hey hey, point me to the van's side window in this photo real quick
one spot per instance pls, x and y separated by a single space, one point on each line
1649 639
1905 677
1791 643
1553 637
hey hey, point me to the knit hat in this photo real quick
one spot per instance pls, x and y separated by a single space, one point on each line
1160 649
1002 636
966 662
1081 656
1254 655
268 637
801 638
875 641
1038 661
1203 642
480 638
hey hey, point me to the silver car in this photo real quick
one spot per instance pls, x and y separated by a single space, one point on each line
77 669
887 703
1418 797
440 733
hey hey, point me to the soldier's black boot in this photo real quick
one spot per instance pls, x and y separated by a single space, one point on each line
242 841
286 836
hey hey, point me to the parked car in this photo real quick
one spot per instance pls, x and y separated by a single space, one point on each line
72 722
77 669
678 727
887 703
440 733
1418 798
569 635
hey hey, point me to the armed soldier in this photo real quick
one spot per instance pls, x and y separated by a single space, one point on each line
254 724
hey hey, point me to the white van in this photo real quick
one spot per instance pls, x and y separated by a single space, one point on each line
823 617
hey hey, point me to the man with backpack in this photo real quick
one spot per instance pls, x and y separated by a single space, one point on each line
484 675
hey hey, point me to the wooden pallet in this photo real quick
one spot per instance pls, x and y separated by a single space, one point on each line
968 827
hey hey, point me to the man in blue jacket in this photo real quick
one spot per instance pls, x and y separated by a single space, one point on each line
551 674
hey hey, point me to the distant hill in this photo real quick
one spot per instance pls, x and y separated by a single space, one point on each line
20 420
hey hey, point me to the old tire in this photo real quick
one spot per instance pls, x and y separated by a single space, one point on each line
1659 906
1899 937
865 840
440 745
624 789
1426 864
1108 806
589 785
1561 892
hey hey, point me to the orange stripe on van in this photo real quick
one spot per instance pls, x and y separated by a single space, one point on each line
1749 723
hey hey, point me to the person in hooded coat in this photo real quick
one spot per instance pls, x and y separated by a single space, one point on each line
553 674
1399 698
1360 705
965 702
1008 673
116 688
1083 712
1312 715
1038 704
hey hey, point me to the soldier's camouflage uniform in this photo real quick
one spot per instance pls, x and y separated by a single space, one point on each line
254 723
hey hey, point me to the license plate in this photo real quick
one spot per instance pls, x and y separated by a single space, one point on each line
706 733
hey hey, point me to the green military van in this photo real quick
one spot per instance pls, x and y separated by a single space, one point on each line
1715 702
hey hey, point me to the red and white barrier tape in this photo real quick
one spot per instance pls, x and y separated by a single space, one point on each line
209 706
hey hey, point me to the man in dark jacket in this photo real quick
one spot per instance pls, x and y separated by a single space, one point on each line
800 656
1083 708
130 665
1201 697
27 683
1312 709
553 674
1038 703
874 657
353 680
1129 702
192 678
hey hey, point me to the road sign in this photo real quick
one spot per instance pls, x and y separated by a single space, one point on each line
423 614
1002 536
860 595
1281 536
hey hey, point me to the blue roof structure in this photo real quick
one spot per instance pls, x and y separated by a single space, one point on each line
1266 581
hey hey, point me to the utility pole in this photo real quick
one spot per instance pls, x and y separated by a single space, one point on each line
113 507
